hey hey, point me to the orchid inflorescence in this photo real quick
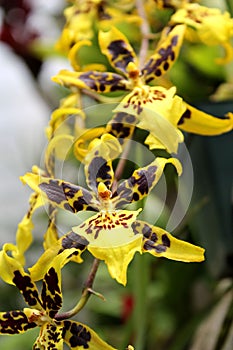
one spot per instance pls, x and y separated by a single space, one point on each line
130 78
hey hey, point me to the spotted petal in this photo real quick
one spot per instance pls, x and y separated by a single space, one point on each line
13 273
14 322
51 291
142 181
79 336
198 122
160 243
112 239
98 161
24 231
166 54
157 110
68 247
101 82
117 48
121 126
61 194
50 337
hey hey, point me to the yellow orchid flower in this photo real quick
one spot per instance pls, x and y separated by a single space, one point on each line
113 234
43 309
156 109
84 15
206 25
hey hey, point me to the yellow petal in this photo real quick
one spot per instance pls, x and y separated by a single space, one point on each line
153 142
50 337
61 252
160 243
207 25
121 126
60 146
101 82
51 234
211 26
60 193
60 115
73 53
201 123
166 54
24 238
158 110
142 181
85 136
24 235
112 239
15 322
118 258
98 161
8 264
75 333
117 48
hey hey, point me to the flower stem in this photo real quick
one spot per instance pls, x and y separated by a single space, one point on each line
145 30
141 278
86 293
120 166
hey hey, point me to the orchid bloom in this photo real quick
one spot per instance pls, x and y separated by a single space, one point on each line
43 309
83 15
206 25
156 109
113 234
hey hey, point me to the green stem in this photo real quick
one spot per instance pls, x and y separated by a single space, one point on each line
141 279
87 292
140 285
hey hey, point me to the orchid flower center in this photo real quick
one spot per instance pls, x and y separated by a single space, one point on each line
104 195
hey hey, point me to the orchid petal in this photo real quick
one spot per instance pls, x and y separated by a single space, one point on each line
60 193
142 181
98 167
112 239
68 247
160 243
121 126
157 110
50 337
84 137
207 25
79 336
59 146
13 273
101 82
14 322
166 54
201 123
24 236
51 291
117 48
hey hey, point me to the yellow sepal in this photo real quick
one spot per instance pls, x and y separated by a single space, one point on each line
118 258
201 123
